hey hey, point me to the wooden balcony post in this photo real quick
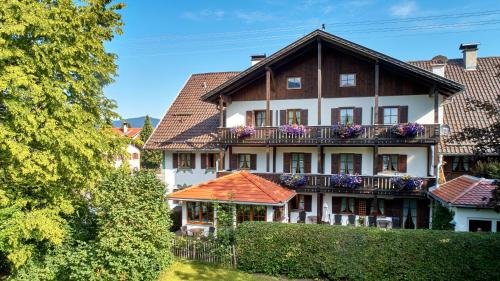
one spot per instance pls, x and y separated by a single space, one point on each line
221 165
274 159
268 96
436 132
221 110
319 208
268 159
320 160
375 159
319 81
375 106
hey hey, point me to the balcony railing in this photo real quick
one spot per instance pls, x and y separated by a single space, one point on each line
373 134
371 184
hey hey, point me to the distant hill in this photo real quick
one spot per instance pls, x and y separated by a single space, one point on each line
136 122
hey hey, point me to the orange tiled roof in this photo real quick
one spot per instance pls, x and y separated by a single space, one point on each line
465 191
237 187
131 132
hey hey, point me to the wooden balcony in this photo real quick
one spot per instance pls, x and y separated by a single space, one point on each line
380 185
324 135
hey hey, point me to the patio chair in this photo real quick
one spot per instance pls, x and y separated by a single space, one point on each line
396 222
371 221
302 217
338 219
351 219
382 223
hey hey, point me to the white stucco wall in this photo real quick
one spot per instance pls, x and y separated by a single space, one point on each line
366 158
416 158
364 102
261 156
463 215
135 164
281 150
420 107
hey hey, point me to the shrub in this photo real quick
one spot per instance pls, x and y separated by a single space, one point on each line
342 253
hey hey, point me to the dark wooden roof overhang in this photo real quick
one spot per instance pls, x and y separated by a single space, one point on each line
442 85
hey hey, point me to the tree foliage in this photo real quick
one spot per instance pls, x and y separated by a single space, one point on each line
54 142
150 159
441 217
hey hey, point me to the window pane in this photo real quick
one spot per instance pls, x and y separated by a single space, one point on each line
260 118
297 163
294 83
346 116
244 161
347 80
390 115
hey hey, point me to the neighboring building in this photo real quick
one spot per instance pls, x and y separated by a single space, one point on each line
468 198
134 153
318 81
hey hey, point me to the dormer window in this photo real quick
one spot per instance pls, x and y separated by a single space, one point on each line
294 83
348 80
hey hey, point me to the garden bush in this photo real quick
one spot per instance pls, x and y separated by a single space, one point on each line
347 253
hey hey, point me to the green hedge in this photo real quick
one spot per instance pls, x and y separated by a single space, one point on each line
346 253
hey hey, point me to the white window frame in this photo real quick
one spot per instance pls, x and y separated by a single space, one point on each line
293 77
345 78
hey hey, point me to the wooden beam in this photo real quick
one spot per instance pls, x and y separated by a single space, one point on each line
319 81
221 165
268 159
229 156
436 105
375 159
274 159
320 160
268 96
319 208
376 90
221 110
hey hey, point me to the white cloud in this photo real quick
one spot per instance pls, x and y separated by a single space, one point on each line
403 9
206 13
254 16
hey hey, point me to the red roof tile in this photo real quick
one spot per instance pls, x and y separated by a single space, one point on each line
237 187
131 132
465 191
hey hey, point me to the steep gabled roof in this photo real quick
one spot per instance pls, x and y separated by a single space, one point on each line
238 187
131 132
444 86
482 84
190 123
465 191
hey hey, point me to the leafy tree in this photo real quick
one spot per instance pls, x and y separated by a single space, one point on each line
54 142
441 217
150 159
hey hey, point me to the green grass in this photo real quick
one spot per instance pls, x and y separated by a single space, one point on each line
188 270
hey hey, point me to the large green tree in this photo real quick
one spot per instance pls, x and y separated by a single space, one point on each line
150 159
54 141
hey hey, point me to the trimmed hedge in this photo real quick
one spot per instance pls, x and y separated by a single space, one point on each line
347 253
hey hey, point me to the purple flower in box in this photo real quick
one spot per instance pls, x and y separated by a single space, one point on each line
293 180
407 182
243 131
407 130
346 181
296 130
348 130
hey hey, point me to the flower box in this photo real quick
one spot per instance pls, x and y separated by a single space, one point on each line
294 130
348 131
346 181
293 180
407 130
243 131
407 182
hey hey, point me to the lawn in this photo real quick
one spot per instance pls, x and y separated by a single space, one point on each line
187 270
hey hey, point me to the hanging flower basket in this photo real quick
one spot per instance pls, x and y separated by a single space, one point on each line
243 131
407 182
294 130
348 131
346 181
293 180
408 130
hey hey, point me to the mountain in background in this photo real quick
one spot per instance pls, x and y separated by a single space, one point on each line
136 122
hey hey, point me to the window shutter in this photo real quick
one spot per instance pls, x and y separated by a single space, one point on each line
204 160
335 163
380 163
307 163
402 163
357 164
233 163
253 161
270 118
286 162
303 117
249 119
283 120
307 203
380 115
175 162
358 115
448 163
193 161
336 202
403 114
335 116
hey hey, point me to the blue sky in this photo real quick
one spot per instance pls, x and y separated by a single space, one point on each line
166 41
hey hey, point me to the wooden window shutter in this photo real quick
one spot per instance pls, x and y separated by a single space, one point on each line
175 162
286 162
303 117
307 203
358 115
283 120
402 158
307 163
249 118
336 203
270 118
335 163
253 161
380 163
204 160
380 115
233 163
357 163
335 116
193 160
403 114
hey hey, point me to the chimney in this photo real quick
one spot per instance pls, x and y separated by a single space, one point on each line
254 59
470 55
125 127
438 65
